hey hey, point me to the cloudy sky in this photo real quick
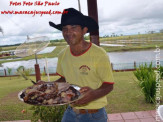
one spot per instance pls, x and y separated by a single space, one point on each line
115 16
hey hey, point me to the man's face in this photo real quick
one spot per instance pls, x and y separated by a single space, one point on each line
73 34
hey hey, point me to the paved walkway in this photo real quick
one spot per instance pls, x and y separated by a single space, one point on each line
141 116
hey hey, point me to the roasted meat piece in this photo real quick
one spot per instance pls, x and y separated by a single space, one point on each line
49 93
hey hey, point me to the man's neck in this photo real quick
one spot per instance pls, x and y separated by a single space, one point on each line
80 48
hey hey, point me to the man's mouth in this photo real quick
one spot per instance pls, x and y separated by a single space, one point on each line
69 37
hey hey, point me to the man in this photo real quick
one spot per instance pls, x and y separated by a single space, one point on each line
86 65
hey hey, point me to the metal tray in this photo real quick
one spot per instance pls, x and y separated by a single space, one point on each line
74 86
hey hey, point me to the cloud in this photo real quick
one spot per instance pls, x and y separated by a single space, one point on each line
130 16
115 16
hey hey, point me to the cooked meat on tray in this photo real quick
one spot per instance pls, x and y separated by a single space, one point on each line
49 94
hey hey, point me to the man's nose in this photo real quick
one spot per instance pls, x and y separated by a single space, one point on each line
69 30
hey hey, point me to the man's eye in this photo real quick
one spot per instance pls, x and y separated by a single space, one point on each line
74 26
64 29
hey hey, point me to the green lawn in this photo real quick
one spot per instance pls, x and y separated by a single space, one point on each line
10 106
125 97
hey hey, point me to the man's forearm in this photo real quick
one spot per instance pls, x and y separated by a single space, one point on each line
91 95
103 90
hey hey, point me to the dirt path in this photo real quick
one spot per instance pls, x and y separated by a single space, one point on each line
11 97
11 107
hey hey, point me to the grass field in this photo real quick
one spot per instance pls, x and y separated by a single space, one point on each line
10 106
125 97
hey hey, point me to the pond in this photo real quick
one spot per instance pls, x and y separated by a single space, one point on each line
120 60
137 56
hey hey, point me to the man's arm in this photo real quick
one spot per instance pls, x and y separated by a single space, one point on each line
90 94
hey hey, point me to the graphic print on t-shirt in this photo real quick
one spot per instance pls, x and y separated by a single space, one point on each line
84 70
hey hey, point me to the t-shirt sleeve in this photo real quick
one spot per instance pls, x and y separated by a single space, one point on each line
104 69
59 70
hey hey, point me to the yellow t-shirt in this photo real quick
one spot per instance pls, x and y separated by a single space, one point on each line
91 68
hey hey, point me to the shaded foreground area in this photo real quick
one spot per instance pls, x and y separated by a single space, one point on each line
140 116
126 97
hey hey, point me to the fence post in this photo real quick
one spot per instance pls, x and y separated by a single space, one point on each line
44 70
112 66
5 72
37 72
134 65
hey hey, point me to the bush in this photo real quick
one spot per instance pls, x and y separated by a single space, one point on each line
24 72
147 81
43 74
161 72
28 71
48 113
9 70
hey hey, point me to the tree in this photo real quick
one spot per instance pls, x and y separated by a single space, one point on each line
113 34
87 37
121 34
161 31
151 32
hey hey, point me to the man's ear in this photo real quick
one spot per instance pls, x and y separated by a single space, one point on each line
85 29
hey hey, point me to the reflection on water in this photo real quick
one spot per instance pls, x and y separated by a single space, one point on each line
52 62
131 56
112 45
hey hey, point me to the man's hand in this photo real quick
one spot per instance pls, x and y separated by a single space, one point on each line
88 96
92 94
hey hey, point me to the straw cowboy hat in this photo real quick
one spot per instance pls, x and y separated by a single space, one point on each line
74 17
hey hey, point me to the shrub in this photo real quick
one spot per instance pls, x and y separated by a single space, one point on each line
28 71
48 113
147 81
161 72
24 72
43 74
9 70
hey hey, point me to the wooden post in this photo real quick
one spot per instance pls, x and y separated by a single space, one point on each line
134 64
5 72
93 12
44 70
112 66
37 72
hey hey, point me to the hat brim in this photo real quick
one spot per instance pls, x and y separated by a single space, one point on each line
59 26
90 23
